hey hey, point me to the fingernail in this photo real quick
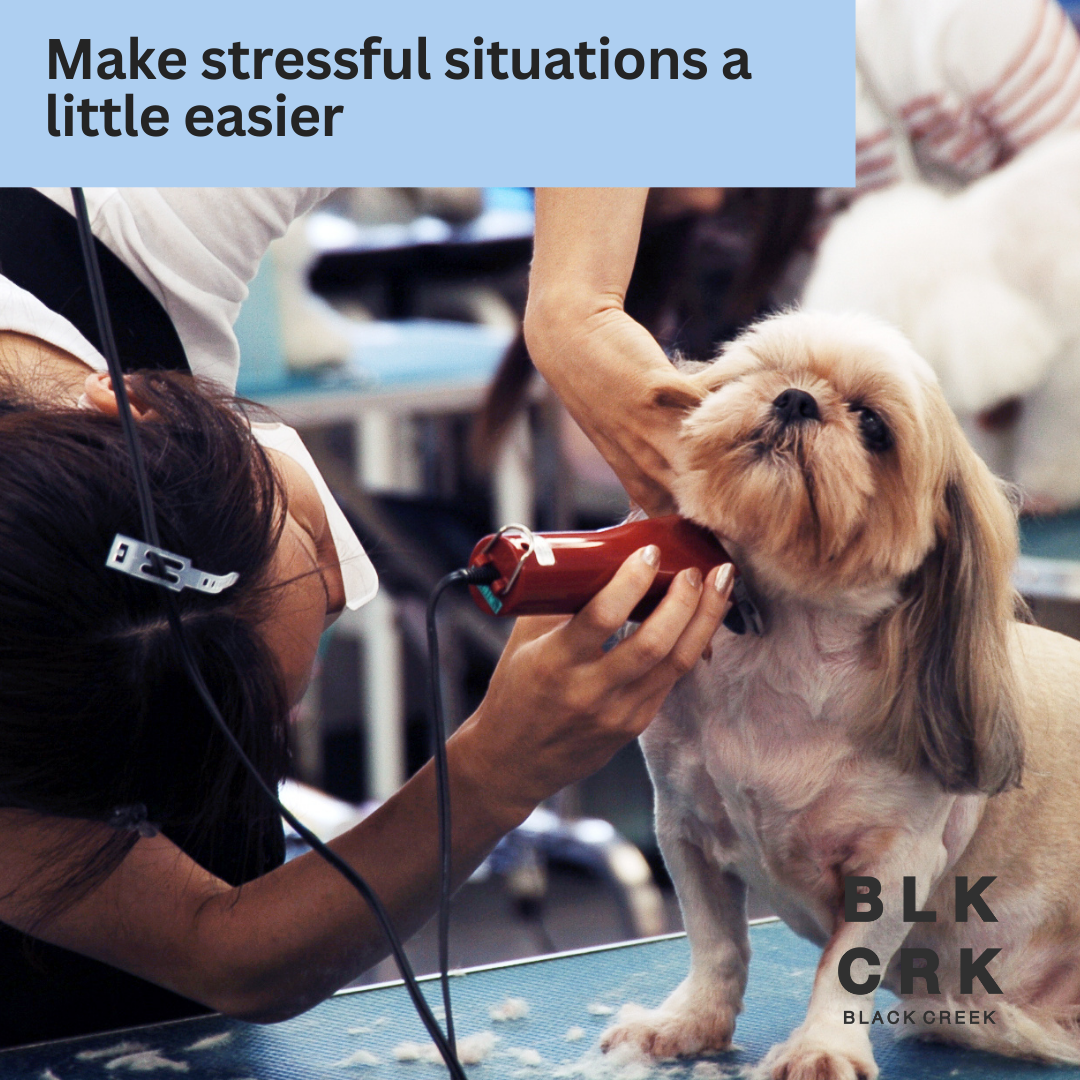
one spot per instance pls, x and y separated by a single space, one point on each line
651 555
693 576
724 577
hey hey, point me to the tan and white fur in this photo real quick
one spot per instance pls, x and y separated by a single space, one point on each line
896 719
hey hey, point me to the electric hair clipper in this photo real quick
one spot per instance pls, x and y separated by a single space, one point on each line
558 573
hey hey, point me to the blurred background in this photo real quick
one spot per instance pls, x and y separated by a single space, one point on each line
386 327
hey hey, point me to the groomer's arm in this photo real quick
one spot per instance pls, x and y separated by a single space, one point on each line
608 369
557 709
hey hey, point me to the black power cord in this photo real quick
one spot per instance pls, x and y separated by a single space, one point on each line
476 575
444 1043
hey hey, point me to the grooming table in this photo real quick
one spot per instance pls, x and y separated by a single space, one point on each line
559 991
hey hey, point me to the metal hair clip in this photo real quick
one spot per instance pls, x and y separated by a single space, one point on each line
162 567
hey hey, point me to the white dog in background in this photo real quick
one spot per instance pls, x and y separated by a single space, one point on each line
880 726
986 284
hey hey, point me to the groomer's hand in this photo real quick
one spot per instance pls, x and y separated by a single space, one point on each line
609 371
624 393
559 706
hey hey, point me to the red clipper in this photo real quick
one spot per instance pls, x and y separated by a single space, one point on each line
557 573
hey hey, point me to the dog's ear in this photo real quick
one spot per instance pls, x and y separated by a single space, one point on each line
681 398
946 697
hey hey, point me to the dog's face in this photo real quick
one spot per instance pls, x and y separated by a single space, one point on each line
824 453
820 453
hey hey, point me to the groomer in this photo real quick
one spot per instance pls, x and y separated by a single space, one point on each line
126 829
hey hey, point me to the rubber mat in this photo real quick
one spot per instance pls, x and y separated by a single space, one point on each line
570 999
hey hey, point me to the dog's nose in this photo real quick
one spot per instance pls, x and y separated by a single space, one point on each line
796 406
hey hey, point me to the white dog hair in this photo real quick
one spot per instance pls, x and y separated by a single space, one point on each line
986 284
881 725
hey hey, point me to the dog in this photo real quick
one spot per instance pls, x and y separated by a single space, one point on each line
896 720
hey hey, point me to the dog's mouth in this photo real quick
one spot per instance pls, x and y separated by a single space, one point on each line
788 449
779 441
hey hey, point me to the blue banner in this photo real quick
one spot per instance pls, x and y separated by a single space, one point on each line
684 92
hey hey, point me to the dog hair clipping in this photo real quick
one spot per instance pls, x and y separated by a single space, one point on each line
163 567
133 819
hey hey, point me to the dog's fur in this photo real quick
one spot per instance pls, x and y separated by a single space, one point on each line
882 725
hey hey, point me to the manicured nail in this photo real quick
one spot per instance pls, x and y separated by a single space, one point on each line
651 555
724 578
693 576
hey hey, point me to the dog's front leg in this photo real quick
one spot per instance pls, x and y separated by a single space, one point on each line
699 1015
823 1047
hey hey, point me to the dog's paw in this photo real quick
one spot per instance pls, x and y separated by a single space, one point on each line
819 1056
669 1033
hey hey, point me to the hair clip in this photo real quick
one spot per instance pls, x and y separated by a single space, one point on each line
162 567
133 819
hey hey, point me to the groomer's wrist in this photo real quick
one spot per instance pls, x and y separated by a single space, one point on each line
486 781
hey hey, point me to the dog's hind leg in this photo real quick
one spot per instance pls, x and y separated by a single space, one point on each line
1034 1032
699 1015
1033 1009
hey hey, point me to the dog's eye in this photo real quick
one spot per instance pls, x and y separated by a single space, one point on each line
875 434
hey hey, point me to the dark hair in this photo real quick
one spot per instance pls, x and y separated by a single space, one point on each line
96 713
700 279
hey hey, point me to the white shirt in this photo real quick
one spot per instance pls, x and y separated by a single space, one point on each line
196 249
970 83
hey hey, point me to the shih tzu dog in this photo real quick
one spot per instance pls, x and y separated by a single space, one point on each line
896 721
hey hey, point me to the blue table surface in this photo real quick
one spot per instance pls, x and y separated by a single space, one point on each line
559 992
